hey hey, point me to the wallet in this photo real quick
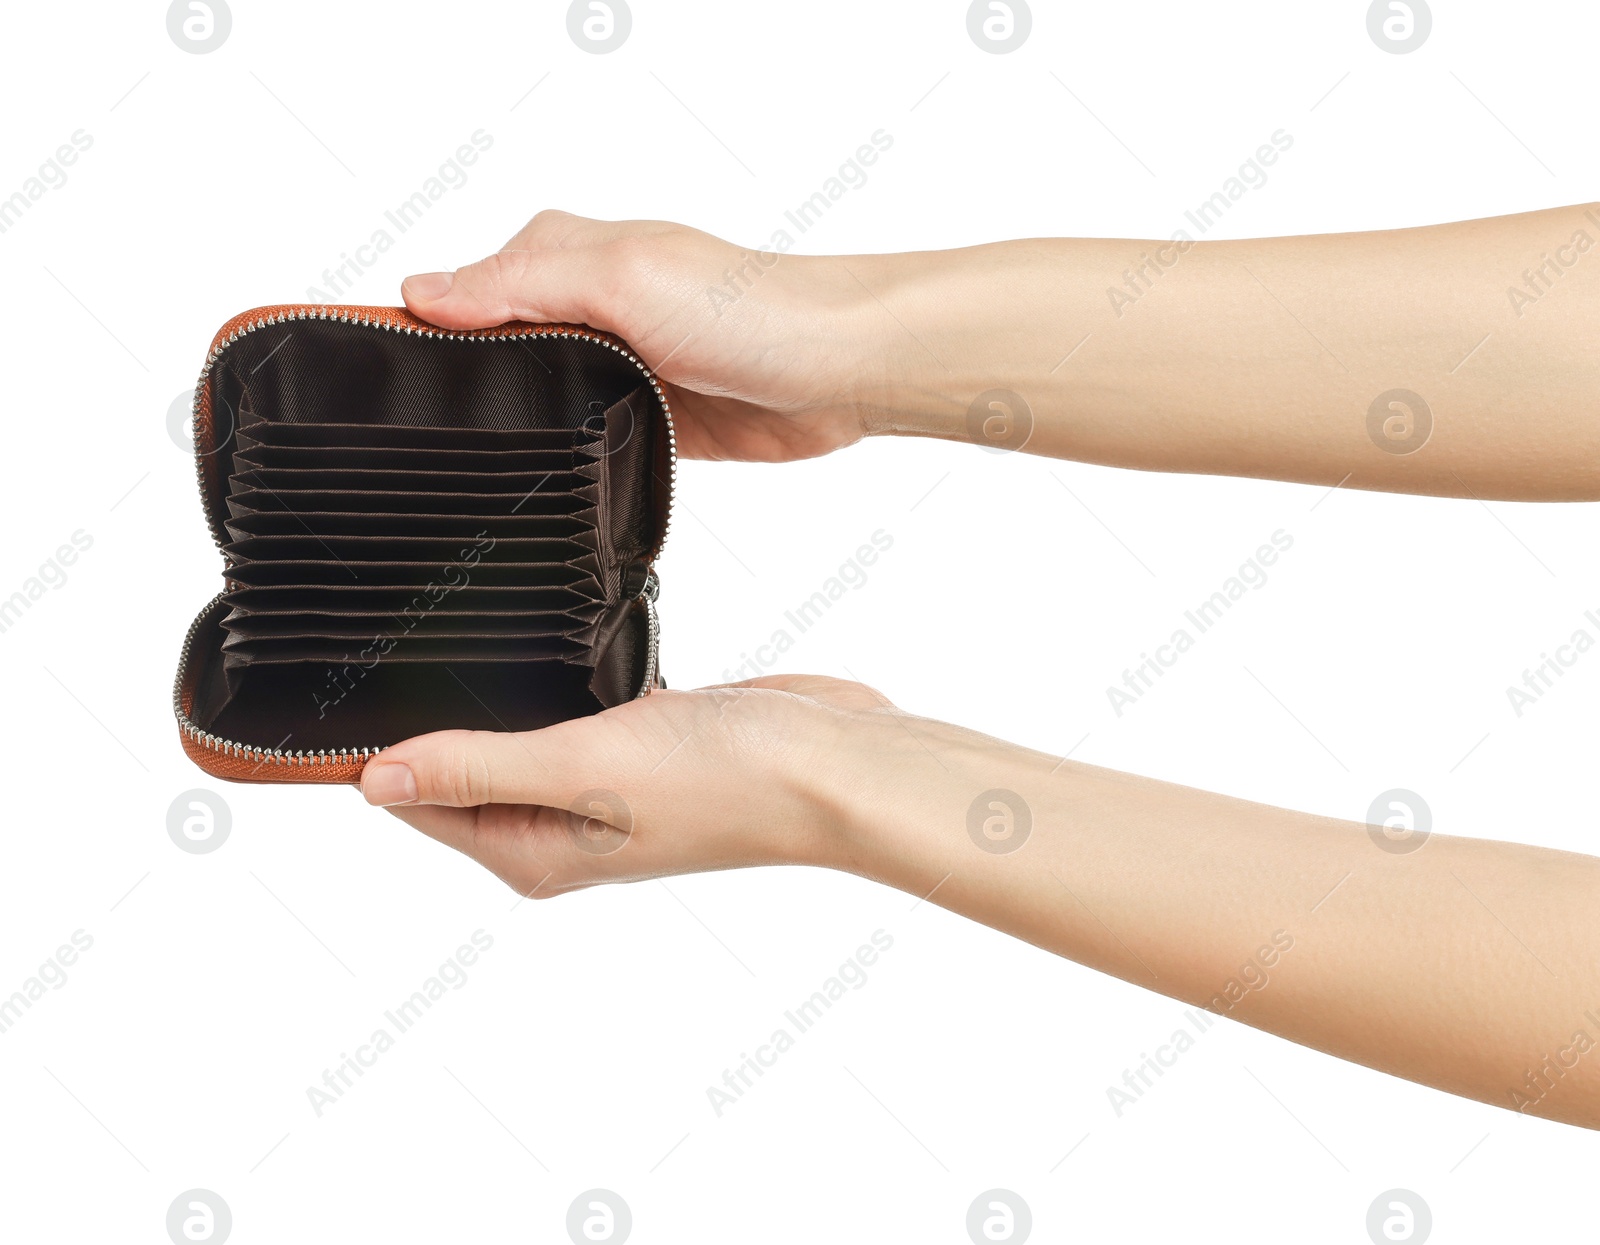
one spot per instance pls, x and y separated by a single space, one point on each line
420 529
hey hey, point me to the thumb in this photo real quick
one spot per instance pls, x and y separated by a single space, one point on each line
562 286
464 769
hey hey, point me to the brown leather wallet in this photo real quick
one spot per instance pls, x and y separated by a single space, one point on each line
420 529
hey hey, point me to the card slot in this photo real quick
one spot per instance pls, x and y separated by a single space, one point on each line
541 643
342 458
453 626
350 501
441 576
392 436
440 526
301 547
302 706
407 649
376 601
514 483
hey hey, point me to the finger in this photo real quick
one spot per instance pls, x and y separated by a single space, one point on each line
451 826
463 769
512 842
545 286
552 229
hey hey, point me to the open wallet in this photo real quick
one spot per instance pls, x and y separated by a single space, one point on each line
421 529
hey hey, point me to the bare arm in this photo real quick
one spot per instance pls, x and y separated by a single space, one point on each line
1463 964
1470 966
1256 358
1266 357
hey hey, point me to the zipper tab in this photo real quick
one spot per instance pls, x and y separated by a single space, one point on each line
639 582
652 679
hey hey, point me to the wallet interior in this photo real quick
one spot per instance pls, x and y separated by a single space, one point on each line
423 531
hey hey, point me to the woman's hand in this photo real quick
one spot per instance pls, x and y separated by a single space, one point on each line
1300 925
763 355
1284 358
678 782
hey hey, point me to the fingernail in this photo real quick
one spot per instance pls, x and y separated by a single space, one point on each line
385 785
429 285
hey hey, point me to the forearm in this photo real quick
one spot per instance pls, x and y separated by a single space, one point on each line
1264 357
1464 965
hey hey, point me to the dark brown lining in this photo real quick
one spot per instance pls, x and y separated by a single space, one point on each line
388 495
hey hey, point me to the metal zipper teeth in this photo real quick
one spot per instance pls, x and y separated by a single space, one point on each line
479 335
652 655
346 756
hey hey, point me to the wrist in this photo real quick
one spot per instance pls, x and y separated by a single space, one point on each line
970 344
909 359
890 794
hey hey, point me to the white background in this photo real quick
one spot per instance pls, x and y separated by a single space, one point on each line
219 987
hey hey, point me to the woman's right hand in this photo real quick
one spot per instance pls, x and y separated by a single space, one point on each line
764 355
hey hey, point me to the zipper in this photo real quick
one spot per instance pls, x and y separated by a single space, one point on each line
652 652
387 319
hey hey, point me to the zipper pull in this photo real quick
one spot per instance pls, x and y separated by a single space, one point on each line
639 582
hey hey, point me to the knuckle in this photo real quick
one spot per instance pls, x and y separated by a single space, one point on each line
461 776
876 698
498 276
547 222
545 217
